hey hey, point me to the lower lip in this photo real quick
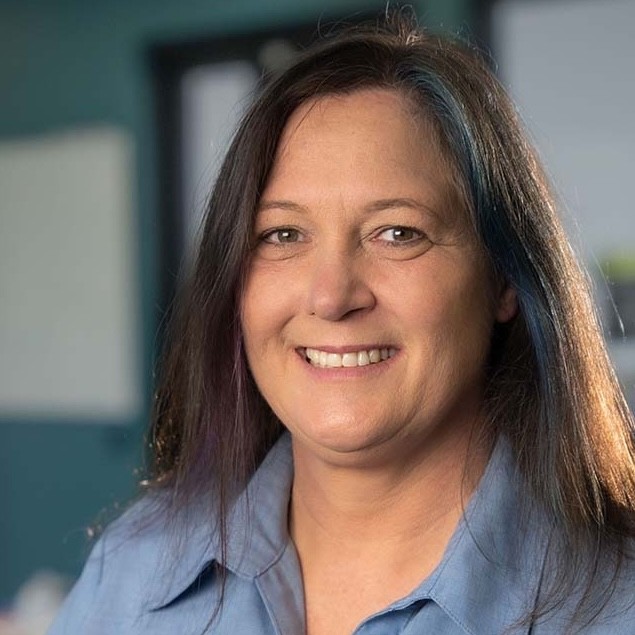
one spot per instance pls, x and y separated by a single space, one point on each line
344 372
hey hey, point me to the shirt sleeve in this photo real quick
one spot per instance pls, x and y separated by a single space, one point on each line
73 617
113 591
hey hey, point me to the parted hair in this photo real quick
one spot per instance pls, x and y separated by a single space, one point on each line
551 389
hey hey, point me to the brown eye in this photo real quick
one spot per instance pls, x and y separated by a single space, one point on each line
400 235
282 236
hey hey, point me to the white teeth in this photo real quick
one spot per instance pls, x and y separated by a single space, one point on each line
348 360
333 360
363 358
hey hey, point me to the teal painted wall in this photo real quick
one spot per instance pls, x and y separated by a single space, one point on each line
66 64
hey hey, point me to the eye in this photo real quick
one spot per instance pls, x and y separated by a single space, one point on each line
281 236
400 235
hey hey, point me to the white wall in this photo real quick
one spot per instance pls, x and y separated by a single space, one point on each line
570 65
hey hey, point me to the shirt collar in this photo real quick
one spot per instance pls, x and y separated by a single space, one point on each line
488 577
256 531
257 527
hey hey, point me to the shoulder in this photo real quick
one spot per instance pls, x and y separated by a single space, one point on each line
129 570
610 605
617 615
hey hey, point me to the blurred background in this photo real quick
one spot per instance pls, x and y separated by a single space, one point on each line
113 118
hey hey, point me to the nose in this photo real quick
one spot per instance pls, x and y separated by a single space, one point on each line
339 286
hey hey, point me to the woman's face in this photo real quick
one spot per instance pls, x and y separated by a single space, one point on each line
368 310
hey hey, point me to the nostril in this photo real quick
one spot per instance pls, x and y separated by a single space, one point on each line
337 292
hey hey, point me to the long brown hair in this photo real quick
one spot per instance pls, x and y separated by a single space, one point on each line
552 391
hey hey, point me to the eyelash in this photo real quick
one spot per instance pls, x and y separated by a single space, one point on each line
266 236
418 235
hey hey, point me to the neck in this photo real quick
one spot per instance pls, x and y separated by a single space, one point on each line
383 513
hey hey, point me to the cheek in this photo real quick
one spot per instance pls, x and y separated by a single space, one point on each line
264 312
473 324
251 316
457 315
444 300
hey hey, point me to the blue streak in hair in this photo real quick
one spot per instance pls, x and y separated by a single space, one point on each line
503 244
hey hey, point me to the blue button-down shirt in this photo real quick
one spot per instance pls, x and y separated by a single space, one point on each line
154 576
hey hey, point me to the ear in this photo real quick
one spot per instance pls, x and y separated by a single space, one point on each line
507 306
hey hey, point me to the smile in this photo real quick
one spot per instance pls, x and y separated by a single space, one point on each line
324 359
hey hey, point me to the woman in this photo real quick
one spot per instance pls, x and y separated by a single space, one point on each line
386 406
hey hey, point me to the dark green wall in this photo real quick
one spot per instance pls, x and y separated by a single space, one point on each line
69 63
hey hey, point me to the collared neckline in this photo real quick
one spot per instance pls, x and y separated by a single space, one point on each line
487 579
257 532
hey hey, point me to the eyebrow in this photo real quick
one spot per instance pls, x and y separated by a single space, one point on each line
395 203
286 205
374 206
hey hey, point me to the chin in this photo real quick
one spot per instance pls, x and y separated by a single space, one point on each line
343 436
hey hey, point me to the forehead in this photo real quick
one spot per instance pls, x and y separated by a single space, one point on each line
364 144
376 118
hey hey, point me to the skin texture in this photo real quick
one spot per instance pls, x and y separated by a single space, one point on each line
343 280
361 242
